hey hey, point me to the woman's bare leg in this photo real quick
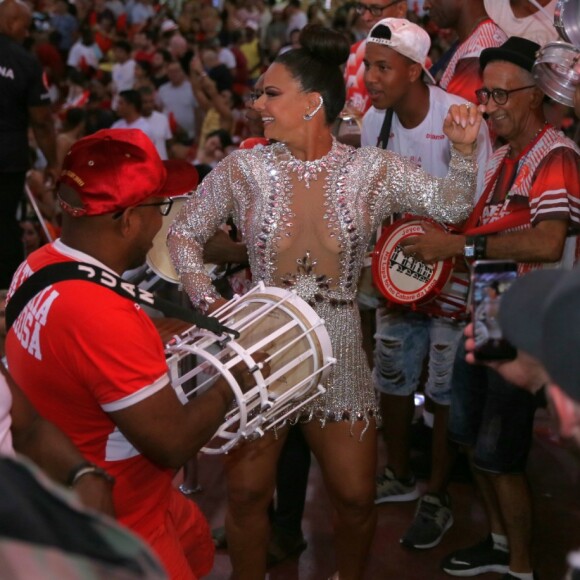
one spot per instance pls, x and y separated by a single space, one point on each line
251 479
348 468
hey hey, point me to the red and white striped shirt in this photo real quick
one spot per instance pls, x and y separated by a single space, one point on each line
463 76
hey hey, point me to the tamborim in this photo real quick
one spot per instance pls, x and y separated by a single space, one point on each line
431 288
557 71
158 256
269 320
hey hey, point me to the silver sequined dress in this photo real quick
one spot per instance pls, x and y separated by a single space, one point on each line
356 189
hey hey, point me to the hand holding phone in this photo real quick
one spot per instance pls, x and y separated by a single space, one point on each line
489 280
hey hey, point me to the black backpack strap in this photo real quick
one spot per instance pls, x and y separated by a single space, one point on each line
385 133
83 271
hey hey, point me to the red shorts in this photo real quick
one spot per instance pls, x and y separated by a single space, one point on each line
184 543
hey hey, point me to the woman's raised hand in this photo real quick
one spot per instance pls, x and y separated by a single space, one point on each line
461 126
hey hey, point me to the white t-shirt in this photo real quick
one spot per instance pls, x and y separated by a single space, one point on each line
5 419
159 131
123 75
227 57
426 145
537 27
80 54
140 123
297 21
181 103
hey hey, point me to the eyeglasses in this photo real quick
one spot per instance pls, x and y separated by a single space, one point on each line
164 207
374 9
500 96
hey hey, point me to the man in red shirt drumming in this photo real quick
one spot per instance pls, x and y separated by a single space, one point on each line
92 362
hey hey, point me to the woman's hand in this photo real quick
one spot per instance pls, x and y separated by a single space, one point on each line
461 126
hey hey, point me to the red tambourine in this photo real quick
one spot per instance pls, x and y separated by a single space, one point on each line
404 279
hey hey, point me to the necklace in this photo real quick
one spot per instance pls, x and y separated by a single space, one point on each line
308 171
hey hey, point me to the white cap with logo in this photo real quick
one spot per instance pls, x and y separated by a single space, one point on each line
404 37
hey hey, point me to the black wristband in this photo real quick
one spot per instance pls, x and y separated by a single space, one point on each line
480 247
85 468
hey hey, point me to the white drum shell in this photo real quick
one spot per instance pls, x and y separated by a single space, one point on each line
270 320
158 256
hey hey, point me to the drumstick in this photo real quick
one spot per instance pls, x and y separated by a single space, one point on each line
542 10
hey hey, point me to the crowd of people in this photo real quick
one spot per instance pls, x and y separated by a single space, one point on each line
110 108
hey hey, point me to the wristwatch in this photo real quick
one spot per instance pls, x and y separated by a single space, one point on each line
469 247
475 247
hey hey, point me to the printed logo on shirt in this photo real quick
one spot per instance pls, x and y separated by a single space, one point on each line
32 320
6 72
434 137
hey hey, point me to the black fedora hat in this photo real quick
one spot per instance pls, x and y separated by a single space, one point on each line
519 51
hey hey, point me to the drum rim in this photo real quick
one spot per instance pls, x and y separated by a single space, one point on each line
156 248
562 21
555 86
445 265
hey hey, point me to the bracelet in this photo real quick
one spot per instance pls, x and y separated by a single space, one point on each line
85 468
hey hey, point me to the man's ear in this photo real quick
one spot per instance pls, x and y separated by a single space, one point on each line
537 98
415 72
128 221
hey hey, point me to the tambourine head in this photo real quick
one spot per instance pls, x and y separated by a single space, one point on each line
403 279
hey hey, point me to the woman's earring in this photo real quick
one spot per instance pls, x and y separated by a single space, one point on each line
310 116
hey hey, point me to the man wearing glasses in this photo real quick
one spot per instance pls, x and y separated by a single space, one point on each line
528 207
93 363
370 12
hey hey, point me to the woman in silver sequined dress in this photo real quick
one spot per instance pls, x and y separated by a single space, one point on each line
306 207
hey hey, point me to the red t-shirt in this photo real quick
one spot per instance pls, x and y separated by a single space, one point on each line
79 350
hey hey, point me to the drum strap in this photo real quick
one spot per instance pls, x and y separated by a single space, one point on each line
385 132
82 271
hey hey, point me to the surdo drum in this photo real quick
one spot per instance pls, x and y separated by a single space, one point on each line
270 320
434 289
158 256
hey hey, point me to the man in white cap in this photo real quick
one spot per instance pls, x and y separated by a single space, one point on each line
370 12
406 117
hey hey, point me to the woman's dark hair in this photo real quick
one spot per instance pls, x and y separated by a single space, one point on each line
316 66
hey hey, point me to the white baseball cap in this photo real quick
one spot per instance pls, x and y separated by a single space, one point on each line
405 38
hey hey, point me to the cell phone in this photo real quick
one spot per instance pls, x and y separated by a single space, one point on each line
490 279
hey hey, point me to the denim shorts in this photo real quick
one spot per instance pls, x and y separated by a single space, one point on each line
492 417
402 341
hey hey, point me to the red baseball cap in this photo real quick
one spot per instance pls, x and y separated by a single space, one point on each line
114 169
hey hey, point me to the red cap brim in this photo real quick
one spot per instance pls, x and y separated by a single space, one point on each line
182 177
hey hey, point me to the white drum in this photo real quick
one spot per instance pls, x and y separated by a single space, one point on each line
270 320
158 256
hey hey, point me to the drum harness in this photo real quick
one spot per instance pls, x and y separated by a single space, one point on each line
63 271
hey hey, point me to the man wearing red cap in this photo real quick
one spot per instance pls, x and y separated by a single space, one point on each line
92 361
